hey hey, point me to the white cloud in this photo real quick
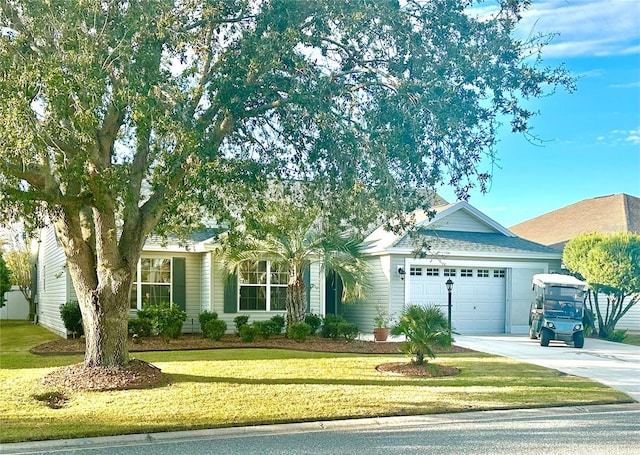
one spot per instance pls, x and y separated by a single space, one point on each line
585 27
634 136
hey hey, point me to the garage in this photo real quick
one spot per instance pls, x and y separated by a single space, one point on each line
478 296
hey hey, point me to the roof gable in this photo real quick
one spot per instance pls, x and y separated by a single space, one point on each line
458 217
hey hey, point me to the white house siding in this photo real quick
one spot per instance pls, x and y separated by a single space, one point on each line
53 283
521 297
461 221
205 282
16 306
377 294
631 320
316 293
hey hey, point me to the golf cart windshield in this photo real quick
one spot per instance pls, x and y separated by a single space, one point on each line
563 309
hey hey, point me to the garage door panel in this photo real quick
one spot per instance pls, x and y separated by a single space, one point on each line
478 303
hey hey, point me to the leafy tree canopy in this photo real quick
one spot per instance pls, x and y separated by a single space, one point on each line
610 263
5 279
122 118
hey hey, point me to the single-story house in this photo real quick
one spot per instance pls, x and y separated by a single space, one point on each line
490 266
605 214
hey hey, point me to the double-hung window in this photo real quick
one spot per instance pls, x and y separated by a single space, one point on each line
152 283
263 286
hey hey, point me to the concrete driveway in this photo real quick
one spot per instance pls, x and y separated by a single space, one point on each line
615 365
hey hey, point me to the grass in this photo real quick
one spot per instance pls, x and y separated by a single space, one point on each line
222 388
632 338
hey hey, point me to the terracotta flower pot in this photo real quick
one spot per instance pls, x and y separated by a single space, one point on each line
380 333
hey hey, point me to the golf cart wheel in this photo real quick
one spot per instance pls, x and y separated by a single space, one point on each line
545 337
578 340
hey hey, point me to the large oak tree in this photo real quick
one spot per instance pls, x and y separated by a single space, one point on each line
119 118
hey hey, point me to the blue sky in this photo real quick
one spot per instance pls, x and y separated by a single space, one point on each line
591 137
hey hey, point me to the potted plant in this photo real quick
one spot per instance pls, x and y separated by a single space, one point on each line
381 321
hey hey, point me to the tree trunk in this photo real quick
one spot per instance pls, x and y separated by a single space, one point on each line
105 317
296 297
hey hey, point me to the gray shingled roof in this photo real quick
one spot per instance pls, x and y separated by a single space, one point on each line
479 242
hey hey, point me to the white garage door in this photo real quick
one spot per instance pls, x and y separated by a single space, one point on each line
478 296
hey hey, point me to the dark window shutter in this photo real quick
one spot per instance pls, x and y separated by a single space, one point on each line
306 278
179 283
231 293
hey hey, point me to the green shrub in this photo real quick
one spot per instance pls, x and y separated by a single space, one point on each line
314 321
330 326
424 328
247 333
617 336
348 330
240 321
214 329
205 317
279 320
72 317
140 326
267 329
299 331
166 319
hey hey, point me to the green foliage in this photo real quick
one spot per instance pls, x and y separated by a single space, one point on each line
610 263
313 321
247 333
214 329
617 336
588 322
72 317
279 320
166 319
267 329
240 321
5 279
334 326
205 317
299 331
425 328
140 326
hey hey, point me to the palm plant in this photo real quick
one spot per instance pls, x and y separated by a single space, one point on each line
424 328
288 234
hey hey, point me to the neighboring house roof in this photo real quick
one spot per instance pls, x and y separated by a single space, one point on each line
480 236
606 214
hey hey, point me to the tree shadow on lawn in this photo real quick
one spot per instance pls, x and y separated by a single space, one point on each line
392 381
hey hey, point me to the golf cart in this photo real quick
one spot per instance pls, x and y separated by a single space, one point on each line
557 310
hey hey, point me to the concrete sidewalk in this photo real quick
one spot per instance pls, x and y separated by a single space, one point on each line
615 365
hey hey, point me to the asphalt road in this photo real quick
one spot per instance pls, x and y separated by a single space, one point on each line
602 430
616 365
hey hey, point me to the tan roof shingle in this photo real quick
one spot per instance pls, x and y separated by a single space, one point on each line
606 214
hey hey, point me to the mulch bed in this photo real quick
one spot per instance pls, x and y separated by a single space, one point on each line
140 374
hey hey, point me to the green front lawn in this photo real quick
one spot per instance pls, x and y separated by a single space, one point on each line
222 388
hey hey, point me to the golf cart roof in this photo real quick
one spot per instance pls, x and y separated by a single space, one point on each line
555 279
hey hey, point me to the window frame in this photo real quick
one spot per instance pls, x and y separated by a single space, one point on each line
137 283
268 285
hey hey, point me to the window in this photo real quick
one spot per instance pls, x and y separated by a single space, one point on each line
433 272
483 273
263 286
415 271
449 272
152 283
498 273
466 272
